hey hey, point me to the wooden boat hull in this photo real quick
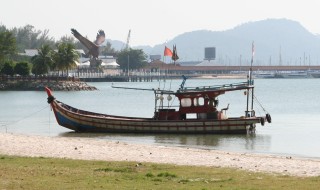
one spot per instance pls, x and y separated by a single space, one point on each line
83 121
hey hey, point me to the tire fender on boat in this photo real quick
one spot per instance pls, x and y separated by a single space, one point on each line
262 121
268 117
50 97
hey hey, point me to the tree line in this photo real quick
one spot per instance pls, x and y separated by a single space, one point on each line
60 55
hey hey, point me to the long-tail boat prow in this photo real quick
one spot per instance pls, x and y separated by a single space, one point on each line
201 102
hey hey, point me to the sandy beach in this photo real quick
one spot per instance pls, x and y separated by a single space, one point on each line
95 149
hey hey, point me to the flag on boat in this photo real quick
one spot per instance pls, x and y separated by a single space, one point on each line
175 56
167 51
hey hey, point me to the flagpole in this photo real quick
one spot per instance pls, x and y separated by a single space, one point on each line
252 91
174 55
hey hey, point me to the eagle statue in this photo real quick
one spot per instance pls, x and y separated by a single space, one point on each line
93 47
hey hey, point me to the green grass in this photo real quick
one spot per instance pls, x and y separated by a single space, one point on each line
49 173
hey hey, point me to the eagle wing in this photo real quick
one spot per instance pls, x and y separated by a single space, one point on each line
93 48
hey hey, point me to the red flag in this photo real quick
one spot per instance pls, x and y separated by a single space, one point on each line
167 52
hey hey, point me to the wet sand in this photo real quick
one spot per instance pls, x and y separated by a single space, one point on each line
97 149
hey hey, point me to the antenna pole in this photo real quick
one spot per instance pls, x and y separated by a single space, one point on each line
249 84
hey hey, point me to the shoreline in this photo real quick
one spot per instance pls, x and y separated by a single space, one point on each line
80 148
38 85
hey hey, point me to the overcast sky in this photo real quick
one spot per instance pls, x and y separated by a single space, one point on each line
151 21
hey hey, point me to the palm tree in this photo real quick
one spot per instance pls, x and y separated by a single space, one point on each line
7 45
66 57
43 61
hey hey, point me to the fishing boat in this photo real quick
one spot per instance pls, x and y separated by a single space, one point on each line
265 75
200 102
315 74
293 75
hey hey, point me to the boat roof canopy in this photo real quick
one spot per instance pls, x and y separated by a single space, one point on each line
215 90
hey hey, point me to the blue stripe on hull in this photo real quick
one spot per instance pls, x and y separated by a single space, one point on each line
71 124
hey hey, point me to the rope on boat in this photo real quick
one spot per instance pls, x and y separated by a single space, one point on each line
268 116
258 110
255 98
23 118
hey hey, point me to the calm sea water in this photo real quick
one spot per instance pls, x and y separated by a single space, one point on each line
294 105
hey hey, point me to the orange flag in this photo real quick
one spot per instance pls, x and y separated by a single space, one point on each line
167 51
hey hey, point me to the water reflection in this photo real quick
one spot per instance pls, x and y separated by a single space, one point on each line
250 142
242 143
188 140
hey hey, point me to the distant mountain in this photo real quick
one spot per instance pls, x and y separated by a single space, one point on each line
273 38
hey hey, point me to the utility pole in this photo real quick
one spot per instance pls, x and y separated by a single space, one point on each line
270 61
128 65
280 58
128 40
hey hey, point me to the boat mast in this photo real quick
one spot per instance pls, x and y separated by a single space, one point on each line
247 110
249 84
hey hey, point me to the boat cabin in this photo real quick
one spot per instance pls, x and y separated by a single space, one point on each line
194 103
